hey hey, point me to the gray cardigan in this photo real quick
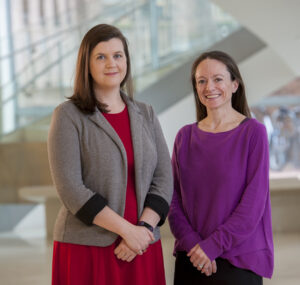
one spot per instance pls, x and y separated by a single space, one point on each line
89 168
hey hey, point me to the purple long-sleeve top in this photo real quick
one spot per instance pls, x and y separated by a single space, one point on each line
221 198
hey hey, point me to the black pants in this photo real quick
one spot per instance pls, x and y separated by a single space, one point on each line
227 274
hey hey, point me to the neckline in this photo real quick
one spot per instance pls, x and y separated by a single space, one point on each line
224 132
113 114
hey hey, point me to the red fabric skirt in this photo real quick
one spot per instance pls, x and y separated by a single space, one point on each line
75 264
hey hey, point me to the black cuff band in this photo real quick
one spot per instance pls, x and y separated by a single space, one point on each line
159 205
146 225
91 208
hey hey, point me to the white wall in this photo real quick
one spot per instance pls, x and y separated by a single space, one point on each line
264 73
175 117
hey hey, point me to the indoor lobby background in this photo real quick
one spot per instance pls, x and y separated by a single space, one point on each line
39 40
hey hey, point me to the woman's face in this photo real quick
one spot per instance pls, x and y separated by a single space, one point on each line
214 85
108 64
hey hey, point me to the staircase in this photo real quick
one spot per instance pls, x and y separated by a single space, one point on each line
40 58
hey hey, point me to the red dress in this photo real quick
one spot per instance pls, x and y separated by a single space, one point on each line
75 264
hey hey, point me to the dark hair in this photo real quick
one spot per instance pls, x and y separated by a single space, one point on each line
238 101
83 96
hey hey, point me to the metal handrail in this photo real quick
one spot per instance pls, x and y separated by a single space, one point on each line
40 74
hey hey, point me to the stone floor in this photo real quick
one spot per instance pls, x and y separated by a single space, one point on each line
26 259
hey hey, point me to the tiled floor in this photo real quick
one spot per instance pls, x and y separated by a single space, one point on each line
27 260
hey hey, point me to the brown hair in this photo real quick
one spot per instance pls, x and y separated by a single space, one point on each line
83 96
238 101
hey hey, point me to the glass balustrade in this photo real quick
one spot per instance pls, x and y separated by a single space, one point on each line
38 70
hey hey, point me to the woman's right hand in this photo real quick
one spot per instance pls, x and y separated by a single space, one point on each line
201 261
137 238
123 252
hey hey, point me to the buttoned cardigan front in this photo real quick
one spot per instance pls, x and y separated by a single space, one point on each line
89 169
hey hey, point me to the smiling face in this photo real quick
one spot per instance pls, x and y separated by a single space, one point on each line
107 64
214 84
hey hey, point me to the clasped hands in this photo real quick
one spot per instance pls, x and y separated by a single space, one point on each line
201 261
135 242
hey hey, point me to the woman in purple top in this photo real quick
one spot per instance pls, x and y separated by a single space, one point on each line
220 214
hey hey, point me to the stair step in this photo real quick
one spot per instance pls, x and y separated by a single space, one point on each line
12 214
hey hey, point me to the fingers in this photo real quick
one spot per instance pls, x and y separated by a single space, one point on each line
123 252
199 266
130 258
150 234
207 269
214 266
198 257
201 261
117 250
123 255
126 255
141 252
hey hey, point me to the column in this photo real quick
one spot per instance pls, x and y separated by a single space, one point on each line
8 87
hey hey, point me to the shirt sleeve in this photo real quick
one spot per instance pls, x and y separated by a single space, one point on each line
160 193
180 226
248 213
65 165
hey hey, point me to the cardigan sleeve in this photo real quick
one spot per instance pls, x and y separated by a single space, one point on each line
65 165
179 223
160 192
248 213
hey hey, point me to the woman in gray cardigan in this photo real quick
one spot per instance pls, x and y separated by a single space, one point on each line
112 171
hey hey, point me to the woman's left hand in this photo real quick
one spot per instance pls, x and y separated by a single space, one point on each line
200 260
123 252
